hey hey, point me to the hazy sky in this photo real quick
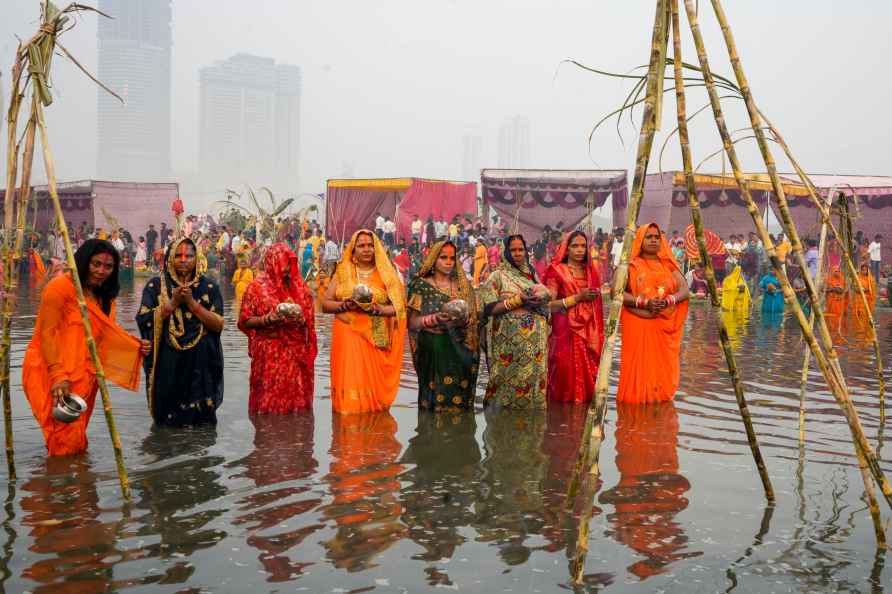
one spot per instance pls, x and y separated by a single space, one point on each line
391 86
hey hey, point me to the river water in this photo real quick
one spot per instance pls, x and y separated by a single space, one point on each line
407 502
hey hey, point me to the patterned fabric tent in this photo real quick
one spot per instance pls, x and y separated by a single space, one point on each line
544 197
714 245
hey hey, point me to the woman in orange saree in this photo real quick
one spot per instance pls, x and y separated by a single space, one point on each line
868 283
655 306
367 338
835 293
57 362
481 259
577 322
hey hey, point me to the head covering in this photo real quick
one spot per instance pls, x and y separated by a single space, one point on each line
665 252
585 319
526 268
279 261
347 277
184 332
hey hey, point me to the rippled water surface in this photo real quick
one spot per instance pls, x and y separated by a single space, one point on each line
407 502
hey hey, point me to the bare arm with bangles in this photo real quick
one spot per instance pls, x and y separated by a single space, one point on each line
331 305
648 308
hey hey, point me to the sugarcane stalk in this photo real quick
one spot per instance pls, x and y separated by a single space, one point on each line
593 433
50 168
697 219
828 362
806 355
10 271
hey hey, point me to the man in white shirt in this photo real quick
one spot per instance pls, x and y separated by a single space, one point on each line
379 226
389 233
416 229
616 249
330 256
440 228
875 249
236 243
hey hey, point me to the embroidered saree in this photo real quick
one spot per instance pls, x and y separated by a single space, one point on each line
367 351
282 355
650 370
58 351
577 335
446 364
516 342
184 373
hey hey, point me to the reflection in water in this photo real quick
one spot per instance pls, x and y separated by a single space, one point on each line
509 505
174 498
283 460
62 512
563 435
364 483
737 324
650 492
438 499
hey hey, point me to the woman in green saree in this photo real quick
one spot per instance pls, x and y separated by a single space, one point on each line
445 353
515 307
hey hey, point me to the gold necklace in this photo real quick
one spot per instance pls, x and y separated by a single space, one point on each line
365 274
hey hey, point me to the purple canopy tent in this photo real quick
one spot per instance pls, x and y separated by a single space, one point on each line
548 197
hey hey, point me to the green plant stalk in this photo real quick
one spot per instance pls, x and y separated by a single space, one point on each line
828 362
697 219
49 165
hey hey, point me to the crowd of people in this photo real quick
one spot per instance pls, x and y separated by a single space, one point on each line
462 295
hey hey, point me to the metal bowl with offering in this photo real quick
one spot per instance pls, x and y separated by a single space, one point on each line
69 408
289 310
362 294
539 293
457 310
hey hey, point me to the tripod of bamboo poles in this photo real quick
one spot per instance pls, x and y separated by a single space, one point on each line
824 353
37 54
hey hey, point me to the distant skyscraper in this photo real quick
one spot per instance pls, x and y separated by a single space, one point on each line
250 123
514 143
471 165
134 61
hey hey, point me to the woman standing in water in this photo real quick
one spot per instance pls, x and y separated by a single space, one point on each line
182 315
772 296
57 362
655 306
516 331
577 323
445 354
367 337
282 346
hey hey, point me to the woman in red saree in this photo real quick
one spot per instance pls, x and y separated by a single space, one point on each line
577 323
655 306
282 347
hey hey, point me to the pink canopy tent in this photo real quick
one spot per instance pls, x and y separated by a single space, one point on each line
548 197
353 204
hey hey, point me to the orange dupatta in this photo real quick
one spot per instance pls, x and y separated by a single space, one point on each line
650 370
58 351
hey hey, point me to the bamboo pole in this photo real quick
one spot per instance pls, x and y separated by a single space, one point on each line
10 270
827 362
806 355
593 434
50 167
697 219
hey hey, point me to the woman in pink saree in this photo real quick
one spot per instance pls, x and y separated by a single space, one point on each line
577 323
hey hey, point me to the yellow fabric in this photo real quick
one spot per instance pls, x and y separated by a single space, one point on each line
756 181
733 299
392 184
